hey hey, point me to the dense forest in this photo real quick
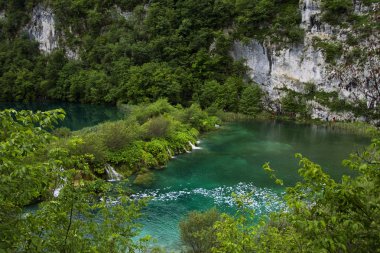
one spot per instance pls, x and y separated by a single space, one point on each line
139 51
168 67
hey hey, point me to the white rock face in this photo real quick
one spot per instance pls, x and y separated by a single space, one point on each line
292 67
42 28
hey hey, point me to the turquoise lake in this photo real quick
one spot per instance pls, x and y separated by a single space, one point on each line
230 160
78 116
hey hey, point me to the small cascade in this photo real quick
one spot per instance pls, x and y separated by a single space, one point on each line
170 153
112 173
193 147
187 151
57 191
61 185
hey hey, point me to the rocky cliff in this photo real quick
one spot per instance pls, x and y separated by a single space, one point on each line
42 28
292 66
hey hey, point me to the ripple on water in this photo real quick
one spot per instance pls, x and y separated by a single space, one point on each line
262 200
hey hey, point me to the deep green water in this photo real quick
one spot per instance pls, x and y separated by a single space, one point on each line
78 116
231 160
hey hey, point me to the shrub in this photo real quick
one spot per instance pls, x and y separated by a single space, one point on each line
134 157
157 127
144 112
144 179
197 230
62 132
332 51
115 135
197 118
294 104
336 11
92 144
159 150
179 140
251 100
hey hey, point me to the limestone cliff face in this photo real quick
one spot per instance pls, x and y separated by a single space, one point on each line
275 68
296 65
42 28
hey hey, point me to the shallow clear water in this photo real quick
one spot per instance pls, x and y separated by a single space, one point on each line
78 116
231 160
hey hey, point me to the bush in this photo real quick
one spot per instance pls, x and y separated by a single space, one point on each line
144 112
134 157
115 135
62 132
159 150
197 118
157 127
92 144
144 179
294 104
197 230
336 11
251 100
332 51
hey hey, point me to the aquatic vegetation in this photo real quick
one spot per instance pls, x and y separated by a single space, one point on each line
143 138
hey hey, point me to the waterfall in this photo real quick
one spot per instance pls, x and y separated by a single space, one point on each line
170 153
193 147
61 185
57 190
112 173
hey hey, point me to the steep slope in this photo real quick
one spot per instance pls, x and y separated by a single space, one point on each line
313 58
355 80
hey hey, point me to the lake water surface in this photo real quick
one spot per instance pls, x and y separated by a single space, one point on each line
230 160
78 116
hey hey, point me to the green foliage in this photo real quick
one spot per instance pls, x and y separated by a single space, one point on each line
157 127
332 51
146 139
159 149
82 218
322 215
149 82
144 179
170 50
197 118
336 11
251 100
263 19
197 230
293 104
117 135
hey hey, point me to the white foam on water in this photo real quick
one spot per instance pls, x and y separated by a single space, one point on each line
112 173
193 147
262 200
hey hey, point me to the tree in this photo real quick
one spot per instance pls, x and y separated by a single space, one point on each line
251 100
197 230
322 215
86 215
